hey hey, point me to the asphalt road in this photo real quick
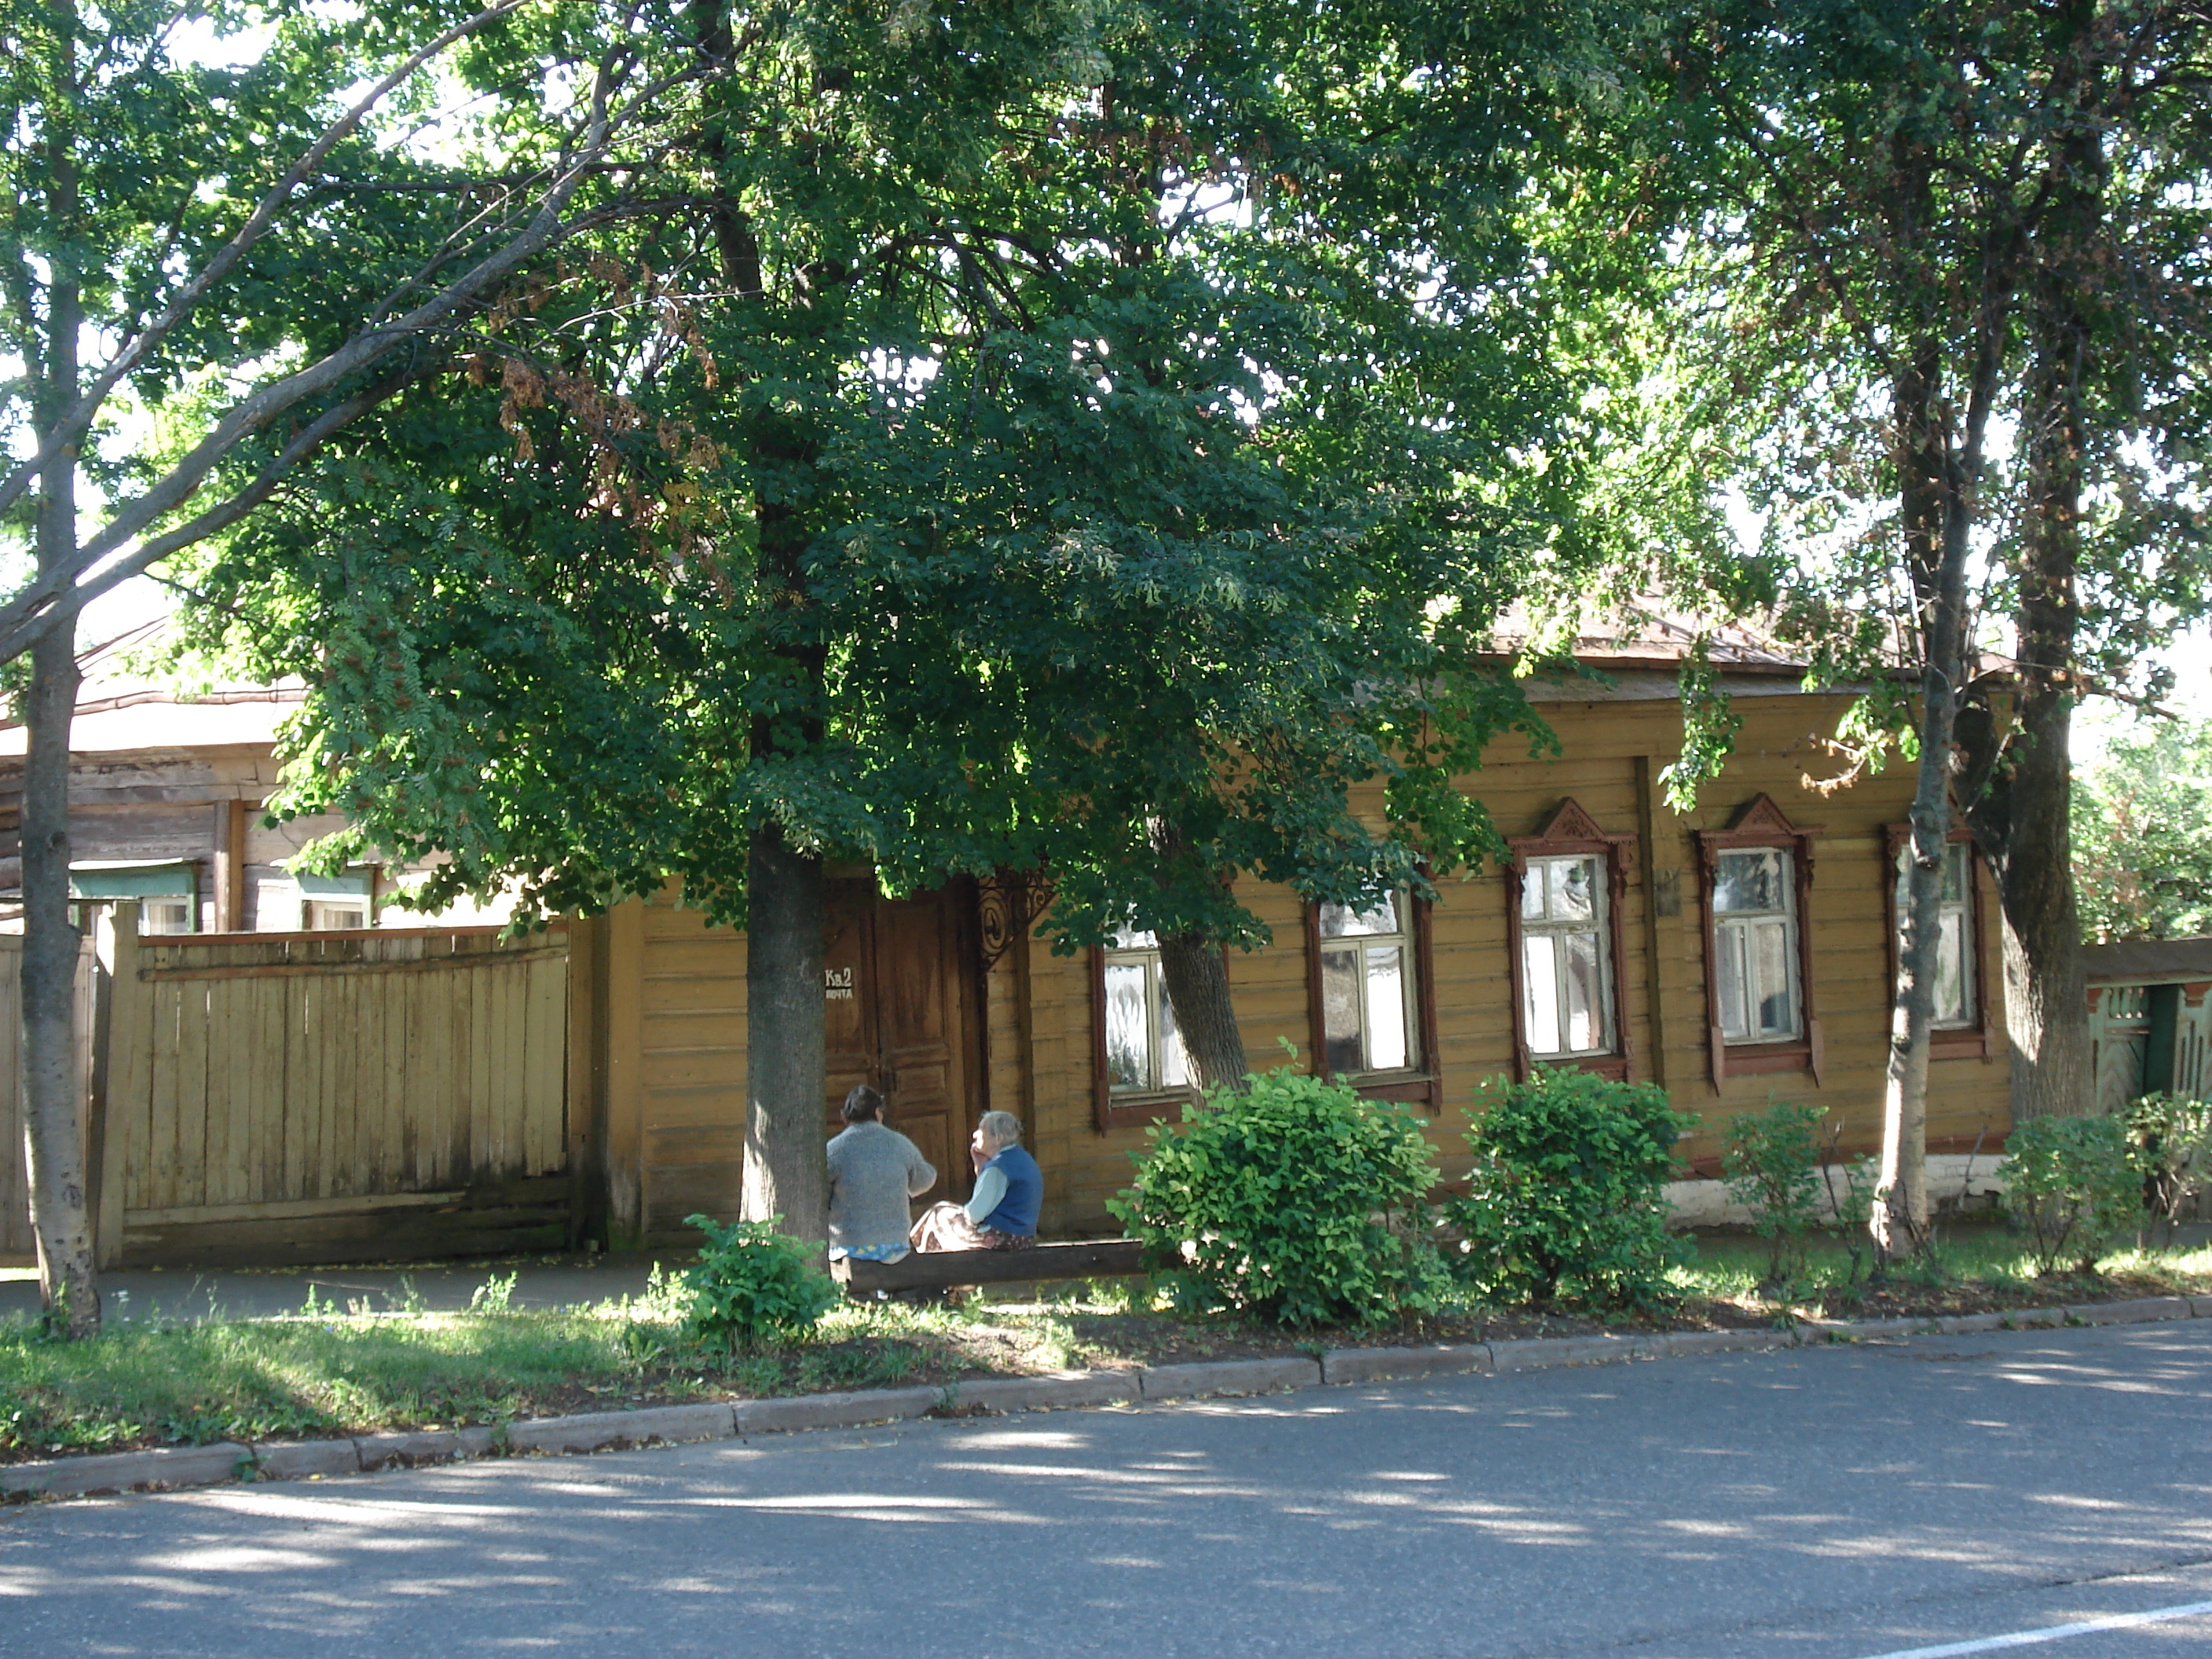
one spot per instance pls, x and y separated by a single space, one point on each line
1821 1504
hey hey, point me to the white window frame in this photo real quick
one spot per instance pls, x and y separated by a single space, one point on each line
189 906
1599 923
1141 950
1735 932
312 922
1401 936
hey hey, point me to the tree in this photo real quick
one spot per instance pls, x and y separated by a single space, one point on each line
2142 854
1059 444
177 222
1887 202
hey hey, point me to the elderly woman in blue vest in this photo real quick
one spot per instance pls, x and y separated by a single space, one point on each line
1009 1188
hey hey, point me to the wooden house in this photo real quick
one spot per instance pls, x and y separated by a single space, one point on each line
1736 953
281 1081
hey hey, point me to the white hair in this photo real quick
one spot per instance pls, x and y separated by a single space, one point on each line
1002 1127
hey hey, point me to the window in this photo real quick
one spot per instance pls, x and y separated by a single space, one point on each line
1955 959
1755 937
173 915
1961 1029
1564 888
1369 1016
1760 1013
334 903
1144 1054
1562 958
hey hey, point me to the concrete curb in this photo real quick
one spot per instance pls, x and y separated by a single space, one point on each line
1375 1365
170 1467
1218 1377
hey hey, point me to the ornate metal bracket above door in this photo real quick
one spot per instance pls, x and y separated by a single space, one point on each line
1009 903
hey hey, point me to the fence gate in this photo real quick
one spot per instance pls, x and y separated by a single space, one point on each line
341 1096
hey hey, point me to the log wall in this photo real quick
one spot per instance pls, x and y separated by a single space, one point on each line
1615 751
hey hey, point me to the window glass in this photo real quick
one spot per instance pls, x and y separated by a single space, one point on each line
1541 956
1566 988
1366 989
1342 921
166 916
323 916
1750 881
1129 1039
1386 1008
1755 938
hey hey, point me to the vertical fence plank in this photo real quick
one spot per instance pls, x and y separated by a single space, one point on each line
545 1053
188 1063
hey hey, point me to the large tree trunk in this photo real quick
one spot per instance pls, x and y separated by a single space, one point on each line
786 1173
2028 798
1197 980
53 1104
53 1108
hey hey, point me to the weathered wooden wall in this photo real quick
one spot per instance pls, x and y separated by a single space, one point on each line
17 1246
1615 750
335 1096
669 994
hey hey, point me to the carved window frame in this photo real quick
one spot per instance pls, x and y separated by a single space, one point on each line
1978 1040
1762 824
1421 1084
1571 831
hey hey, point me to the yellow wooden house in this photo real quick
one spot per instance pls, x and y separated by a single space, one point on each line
1736 953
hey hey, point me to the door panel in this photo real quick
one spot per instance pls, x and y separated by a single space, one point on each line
849 1012
896 984
918 973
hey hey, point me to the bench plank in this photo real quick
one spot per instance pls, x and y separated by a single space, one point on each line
936 1269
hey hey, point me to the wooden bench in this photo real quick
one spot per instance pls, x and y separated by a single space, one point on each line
933 1270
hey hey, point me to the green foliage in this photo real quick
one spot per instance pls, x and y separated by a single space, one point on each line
1563 1206
2070 1182
1298 1201
2170 1145
751 1283
2143 855
995 498
1771 1161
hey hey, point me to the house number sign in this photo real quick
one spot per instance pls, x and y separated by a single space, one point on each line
836 984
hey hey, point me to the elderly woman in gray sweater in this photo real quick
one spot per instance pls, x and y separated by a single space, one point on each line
873 1171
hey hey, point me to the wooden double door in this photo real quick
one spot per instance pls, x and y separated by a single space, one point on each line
902 984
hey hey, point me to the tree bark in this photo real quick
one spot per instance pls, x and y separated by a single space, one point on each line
1197 980
1900 1222
785 1172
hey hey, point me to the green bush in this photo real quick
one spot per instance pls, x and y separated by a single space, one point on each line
752 1282
1563 1205
2170 1144
2070 1183
1298 1201
1771 1161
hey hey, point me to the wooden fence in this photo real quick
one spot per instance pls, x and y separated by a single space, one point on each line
16 1243
353 1095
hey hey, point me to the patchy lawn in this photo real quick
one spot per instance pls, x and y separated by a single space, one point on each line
325 1372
